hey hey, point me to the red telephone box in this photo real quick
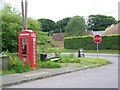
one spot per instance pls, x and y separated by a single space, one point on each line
27 48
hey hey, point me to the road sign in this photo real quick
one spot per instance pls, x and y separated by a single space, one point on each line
97 38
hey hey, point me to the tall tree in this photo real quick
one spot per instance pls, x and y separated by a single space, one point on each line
100 22
11 25
47 25
75 27
61 24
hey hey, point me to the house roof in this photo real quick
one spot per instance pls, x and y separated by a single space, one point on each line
89 32
58 36
98 32
114 30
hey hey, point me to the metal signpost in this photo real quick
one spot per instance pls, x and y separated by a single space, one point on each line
97 39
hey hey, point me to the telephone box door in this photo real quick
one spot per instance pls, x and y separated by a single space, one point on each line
27 47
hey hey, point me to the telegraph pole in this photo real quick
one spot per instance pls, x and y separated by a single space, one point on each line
24 14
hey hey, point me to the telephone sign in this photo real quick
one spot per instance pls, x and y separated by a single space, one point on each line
27 49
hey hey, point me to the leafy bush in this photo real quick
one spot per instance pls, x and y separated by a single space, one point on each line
16 65
86 42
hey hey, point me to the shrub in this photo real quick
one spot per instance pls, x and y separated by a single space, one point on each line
16 65
86 42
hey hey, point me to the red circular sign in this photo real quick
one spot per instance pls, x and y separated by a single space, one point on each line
97 38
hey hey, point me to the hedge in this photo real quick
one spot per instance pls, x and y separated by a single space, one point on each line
86 42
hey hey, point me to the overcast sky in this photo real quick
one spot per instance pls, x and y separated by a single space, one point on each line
59 9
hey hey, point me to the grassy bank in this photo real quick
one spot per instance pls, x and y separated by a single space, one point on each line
84 61
18 67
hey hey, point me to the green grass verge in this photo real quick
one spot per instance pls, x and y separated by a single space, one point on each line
16 65
93 62
84 61
48 64
91 51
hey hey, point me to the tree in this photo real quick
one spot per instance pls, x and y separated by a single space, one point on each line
47 25
75 27
100 22
61 24
11 25
33 24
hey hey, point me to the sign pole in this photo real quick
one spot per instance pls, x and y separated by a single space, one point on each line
97 39
97 50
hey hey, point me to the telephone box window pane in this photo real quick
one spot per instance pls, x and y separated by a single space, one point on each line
24 41
24 45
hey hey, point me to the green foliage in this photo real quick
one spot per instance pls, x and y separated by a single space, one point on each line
48 64
44 42
69 59
47 25
53 49
75 27
84 61
11 25
6 72
16 65
100 22
61 24
87 43
33 25
93 62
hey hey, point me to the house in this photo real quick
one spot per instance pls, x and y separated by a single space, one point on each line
90 32
98 32
113 30
87 33
58 36
59 39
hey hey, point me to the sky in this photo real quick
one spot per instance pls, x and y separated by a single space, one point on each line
59 9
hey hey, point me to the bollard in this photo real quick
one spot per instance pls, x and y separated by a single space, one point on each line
81 52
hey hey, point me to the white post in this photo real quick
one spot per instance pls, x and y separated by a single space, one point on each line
97 50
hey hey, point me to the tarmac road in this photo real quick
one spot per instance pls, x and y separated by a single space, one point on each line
101 77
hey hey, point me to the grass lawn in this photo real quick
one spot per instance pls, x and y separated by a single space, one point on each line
84 61
91 51
80 62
